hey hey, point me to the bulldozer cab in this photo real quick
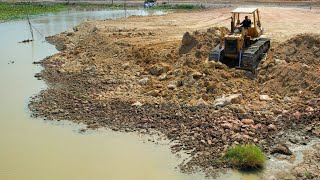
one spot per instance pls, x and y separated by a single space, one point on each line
255 30
244 46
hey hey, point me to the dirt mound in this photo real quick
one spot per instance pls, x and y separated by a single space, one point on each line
179 71
303 48
294 68
293 79
135 79
202 42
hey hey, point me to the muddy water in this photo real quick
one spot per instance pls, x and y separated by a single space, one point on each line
34 149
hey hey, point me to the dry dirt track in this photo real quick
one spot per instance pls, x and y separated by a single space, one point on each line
279 23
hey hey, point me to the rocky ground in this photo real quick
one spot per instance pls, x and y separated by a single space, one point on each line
151 74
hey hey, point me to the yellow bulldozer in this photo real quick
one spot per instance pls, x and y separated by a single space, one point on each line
244 46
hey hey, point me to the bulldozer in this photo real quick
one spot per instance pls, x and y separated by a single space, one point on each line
242 47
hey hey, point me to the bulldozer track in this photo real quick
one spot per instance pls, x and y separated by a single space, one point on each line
252 55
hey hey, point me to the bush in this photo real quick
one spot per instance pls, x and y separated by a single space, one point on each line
245 157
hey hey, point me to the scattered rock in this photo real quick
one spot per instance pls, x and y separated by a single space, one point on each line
90 69
196 75
172 85
281 149
265 98
143 81
226 125
200 102
272 127
126 66
70 33
163 77
278 61
158 70
287 99
137 104
223 101
154 93
247 121
177 72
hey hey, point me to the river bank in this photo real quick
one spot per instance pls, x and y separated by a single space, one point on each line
147 74
32 148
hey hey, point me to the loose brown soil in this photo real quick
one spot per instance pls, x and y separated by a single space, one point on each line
152 73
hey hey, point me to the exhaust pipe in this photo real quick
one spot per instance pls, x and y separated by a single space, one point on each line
232 25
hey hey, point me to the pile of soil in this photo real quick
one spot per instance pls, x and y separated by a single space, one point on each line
295 69
126 79
303 48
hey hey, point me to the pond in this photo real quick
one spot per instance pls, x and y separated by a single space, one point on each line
34 149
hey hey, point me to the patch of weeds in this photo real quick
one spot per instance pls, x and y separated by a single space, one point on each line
245 157
11 11
308 175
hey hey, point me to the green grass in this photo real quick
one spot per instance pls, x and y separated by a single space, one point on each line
13 11
10 11
245 157
308 175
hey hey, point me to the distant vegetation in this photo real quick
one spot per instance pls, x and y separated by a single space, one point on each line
178 6
12 11
245 157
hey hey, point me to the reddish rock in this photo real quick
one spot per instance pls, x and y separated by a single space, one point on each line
226 125
247 121
258 126
297 114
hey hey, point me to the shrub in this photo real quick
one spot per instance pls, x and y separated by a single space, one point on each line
245 156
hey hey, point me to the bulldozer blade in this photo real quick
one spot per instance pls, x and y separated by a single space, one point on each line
216 54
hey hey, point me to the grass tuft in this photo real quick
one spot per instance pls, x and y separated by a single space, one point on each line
245 157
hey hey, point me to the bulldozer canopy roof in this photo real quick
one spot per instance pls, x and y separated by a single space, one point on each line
244 10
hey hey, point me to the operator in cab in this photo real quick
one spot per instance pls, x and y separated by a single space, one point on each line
246 23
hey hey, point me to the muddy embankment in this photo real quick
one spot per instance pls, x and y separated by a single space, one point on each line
134 80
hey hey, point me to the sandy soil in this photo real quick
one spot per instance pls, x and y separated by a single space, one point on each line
279 23
151 73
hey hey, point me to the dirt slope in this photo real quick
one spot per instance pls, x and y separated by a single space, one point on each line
152 73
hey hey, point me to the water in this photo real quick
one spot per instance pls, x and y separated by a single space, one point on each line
34 149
